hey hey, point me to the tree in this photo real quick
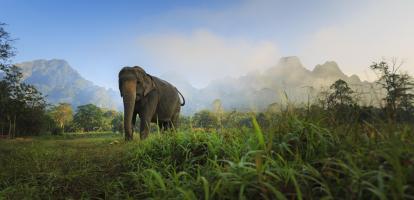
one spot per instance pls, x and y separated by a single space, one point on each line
218 111
341 94
118 123
88 117
397 86
108 116
340 103
204 119
6 47
6 53
22 106
62 115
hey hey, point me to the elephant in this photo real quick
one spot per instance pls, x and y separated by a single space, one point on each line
153 99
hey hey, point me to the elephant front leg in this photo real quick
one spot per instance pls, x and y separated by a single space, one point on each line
144 128
129 135
134 120
129 131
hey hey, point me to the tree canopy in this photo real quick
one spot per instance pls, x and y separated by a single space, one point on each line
22 105
89 117
398 87
62 114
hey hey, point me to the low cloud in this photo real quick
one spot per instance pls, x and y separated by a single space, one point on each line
382 30
354 34
202 55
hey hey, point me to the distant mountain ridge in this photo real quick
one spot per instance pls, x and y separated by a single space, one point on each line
61 83
253 91
257 90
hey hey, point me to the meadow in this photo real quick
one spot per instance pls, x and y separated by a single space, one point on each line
349 141
290 158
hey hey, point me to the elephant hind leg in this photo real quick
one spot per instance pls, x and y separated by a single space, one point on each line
162 125
144 128
167 125
134 121
175 120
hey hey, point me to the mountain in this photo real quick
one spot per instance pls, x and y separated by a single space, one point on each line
257 90
61 83
288 80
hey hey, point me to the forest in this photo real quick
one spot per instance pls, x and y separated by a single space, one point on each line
334 147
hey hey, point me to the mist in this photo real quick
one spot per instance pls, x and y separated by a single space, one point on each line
202 56
252 36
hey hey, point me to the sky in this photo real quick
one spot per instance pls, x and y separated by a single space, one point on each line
200 41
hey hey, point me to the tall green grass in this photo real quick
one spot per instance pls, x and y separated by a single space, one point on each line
294 159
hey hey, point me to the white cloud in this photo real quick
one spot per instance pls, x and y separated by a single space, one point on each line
379 29
202 55
354 34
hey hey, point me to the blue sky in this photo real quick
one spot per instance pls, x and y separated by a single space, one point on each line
203 40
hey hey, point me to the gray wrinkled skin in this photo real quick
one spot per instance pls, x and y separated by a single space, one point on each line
151 98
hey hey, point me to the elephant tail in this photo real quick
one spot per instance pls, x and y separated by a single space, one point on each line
182 104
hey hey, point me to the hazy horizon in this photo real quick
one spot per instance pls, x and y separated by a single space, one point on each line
202 41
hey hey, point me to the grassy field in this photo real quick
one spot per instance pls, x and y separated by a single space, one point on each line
296 159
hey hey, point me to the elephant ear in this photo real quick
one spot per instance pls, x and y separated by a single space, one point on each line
147 82
120 87
120 82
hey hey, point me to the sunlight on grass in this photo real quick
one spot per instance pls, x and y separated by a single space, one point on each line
298 160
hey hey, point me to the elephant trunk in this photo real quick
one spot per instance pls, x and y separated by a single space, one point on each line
129 97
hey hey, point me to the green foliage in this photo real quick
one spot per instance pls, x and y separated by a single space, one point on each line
92 118
341 94
108 116
296 159
117 123
398 87
6 47
208 120
22 106
62 116
205 119
88 118
340 103
334 150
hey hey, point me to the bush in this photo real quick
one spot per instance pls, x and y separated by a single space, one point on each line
295 157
